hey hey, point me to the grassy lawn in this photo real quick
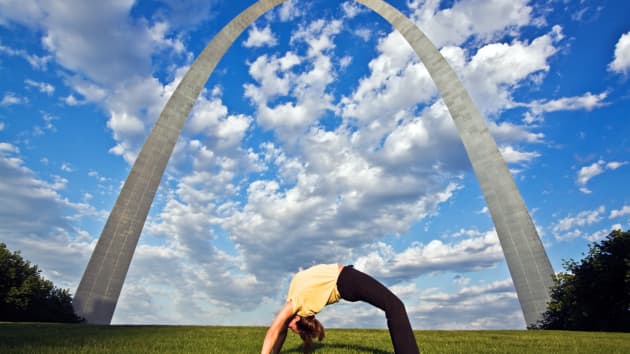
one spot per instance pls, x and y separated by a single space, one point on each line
57 338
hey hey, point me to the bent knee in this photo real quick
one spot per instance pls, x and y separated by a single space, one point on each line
395 305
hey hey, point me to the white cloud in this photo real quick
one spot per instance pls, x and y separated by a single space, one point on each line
382 105
505 132
70 100
621 61
397 82
467 255
37 62
514 156
50 238
2 125
569 227
620 212
319 35
289 10
345 62
497 68
601 234
487 305
319 199
43 87
10 99
133 108
586 173
615 165
66 167
481 19
81 41
260 37
308 89
20 11
226 131
351 9
206 115
273 75
158 33
363 33
91 92
588 102
6 147
125 124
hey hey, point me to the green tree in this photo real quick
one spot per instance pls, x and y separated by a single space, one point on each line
594 294
26 296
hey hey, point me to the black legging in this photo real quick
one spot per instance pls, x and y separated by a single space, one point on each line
354 285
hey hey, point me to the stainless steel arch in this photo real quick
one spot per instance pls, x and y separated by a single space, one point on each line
102 281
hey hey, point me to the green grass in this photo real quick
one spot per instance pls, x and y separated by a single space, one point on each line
58 338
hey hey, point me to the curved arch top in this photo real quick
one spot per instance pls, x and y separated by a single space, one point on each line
531 271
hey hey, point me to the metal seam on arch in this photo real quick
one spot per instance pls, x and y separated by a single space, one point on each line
102 281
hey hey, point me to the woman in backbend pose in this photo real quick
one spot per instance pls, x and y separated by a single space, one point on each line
325 284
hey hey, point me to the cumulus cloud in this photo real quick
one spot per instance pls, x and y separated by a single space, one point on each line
496 69
482 19
275 77
225 131
398 83
289 10
77 40
260 37
621 61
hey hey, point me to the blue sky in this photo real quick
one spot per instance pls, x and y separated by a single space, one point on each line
319 138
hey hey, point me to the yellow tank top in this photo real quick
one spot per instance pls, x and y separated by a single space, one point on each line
314 288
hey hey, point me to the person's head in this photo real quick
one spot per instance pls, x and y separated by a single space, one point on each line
308 328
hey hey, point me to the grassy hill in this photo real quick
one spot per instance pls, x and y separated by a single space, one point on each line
59 338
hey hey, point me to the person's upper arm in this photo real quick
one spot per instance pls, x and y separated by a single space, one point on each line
285 314
278 326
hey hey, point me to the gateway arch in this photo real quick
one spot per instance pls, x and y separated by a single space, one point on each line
532 274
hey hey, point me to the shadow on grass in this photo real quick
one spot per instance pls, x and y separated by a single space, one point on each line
322 347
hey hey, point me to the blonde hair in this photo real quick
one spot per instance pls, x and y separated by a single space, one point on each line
310 328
